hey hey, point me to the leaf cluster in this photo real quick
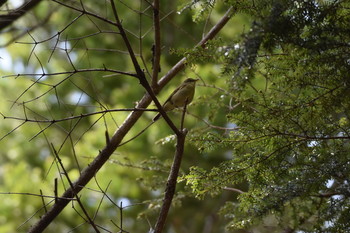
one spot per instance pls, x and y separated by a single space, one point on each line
289 75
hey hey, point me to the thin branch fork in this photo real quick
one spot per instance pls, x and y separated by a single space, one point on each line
140 73
89 172
76 195
52 121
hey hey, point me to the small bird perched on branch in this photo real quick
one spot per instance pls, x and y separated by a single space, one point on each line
180 97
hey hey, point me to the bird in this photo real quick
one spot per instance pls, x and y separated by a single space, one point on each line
180 97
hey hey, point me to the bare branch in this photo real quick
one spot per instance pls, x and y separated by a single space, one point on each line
76 195
83 11
74 71
156 46
89 172
140 73
37 195
32 28
171 183
6 20
78 117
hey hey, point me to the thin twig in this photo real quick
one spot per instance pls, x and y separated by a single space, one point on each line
43 200
76 195
156 47
83 11
138 134
52 121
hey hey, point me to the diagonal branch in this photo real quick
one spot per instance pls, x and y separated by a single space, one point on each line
171 183
2 2
89 172
6 20
76 195
140 73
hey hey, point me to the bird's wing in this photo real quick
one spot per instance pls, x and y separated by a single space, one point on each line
173 93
